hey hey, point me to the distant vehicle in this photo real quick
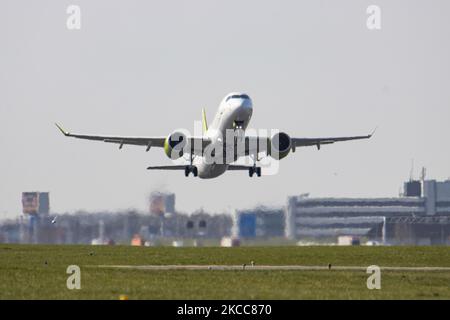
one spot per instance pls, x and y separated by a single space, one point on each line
230 242
373 243
137 240
213 153
178 243
348 241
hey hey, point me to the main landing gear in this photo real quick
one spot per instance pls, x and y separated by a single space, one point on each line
253 170
190 169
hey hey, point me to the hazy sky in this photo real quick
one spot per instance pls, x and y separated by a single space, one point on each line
147 67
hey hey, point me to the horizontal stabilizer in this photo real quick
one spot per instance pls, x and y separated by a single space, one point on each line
175 167
239 167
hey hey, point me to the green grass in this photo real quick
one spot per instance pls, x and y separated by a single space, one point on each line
25 275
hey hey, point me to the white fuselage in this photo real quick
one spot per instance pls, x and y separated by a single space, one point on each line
235 110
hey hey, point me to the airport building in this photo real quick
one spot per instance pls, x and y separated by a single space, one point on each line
260 222
160 221
161 203
420 216
36 209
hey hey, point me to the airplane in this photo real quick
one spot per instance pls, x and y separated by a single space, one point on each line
215 143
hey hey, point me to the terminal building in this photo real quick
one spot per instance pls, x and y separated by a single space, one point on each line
420 216
259 222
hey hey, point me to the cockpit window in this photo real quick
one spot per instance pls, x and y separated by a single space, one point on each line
238 96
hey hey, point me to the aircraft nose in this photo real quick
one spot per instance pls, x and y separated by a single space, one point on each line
244 108
247 103
244 104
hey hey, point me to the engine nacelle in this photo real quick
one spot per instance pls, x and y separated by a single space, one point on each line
280 145
174 145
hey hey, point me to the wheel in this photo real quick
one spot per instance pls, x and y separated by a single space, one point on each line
195 171
258 172
250 172
186 171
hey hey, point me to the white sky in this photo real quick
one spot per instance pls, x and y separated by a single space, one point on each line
148 67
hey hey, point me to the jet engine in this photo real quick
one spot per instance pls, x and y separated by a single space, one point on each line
174 145
280 145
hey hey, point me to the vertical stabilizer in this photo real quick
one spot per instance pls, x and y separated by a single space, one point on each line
204 123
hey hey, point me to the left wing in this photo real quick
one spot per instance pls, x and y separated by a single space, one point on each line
254 144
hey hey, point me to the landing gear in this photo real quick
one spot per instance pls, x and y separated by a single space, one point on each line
190 169
238 125
253 170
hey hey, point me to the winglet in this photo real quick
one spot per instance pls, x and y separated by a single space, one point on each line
373 132
62 130
204 122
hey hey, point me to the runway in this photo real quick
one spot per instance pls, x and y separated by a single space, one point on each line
267 267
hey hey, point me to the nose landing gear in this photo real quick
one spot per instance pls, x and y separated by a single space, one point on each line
238 124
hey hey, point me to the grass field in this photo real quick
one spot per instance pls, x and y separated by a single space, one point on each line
39 272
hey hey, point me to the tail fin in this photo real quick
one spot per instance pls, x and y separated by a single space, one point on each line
204 123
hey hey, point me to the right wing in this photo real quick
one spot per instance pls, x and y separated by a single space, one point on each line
138 141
